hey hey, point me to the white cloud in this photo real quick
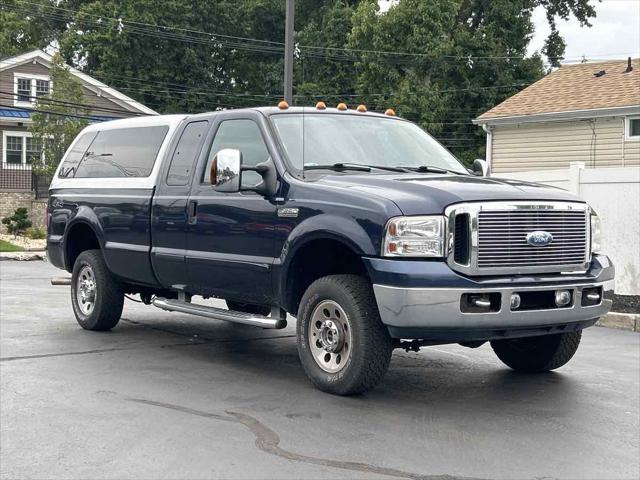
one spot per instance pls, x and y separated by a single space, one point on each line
615 32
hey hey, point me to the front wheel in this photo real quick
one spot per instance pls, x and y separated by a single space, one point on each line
97 298
343 346
537 354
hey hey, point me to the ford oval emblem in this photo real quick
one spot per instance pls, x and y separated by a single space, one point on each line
539 238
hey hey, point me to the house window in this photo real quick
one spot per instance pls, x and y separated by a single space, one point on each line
13 150
28 87
33 150
20 149
632 130
24 90
42 88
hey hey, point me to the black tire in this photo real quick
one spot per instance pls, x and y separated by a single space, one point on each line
537 354
108 296
370 352
251 308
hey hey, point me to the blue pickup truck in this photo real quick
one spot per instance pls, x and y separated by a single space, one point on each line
358 224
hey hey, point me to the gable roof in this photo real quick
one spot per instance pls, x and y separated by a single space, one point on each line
572 89
97 86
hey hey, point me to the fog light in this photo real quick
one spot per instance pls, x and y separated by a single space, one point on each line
515 301
563 298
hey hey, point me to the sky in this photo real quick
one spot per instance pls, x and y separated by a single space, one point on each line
615 32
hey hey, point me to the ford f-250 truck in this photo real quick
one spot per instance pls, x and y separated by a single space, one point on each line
358 224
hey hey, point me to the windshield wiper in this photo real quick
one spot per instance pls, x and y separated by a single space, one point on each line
430 169
353 166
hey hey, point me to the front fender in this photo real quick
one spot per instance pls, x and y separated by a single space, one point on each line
345 230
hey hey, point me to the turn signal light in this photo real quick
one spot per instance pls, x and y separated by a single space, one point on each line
283 105
361 108
390 111
342 106
321 105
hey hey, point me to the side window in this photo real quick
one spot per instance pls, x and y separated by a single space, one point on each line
76 153
185 154
243 135
124 152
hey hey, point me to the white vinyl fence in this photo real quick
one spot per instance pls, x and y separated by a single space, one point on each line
614 193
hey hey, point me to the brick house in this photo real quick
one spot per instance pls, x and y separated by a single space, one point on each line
24 78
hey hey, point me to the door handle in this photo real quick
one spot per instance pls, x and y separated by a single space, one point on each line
192 212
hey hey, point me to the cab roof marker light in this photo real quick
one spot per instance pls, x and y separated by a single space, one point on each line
361 108
390 111
342 106
283 105
321 106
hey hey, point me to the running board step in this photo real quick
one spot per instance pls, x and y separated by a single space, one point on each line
277 320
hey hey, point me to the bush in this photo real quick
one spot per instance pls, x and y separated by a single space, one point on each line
36 233
18 222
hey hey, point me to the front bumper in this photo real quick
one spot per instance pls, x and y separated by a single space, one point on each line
424 300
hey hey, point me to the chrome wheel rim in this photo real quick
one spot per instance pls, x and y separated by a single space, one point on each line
86 290
330 336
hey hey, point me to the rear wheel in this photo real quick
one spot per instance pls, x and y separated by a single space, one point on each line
343 346
537 354
250 308
97 298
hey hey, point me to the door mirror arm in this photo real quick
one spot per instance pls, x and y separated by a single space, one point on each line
269 184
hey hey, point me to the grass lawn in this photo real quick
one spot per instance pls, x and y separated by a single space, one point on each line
9 247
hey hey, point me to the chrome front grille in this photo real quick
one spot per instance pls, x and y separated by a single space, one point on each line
502 238
498 237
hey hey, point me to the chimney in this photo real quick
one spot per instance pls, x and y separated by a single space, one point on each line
629 67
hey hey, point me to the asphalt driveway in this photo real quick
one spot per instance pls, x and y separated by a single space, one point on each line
167 395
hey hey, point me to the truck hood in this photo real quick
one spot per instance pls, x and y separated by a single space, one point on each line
417 194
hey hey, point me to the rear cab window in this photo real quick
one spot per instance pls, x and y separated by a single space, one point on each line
182 162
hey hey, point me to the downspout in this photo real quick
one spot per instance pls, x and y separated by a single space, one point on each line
489 147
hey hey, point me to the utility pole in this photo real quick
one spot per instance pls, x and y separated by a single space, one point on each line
288 52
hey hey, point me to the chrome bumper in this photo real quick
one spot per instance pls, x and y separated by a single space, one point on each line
440 308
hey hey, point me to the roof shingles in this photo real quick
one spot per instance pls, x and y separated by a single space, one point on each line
575 87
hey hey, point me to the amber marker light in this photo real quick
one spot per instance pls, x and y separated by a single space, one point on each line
342 106
321 105
390 111
361 108
283 105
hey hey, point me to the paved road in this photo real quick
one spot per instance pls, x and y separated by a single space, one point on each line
172 396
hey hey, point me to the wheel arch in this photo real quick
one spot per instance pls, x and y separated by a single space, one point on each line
83 233
317 255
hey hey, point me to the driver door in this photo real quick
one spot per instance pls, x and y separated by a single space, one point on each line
230 239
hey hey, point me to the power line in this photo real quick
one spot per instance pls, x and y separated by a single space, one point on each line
259 45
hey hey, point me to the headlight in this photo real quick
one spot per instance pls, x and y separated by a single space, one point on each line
596 233
414 237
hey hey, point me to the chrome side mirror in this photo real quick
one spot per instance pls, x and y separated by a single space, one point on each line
226 169
480 167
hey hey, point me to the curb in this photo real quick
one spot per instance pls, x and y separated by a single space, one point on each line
23 256
621 321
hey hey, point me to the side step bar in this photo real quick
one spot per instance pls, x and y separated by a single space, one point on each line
61 281
277 319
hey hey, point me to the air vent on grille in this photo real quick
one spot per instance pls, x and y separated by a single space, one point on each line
461 238
502 238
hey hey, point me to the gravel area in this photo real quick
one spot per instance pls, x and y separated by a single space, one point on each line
626 303
24 242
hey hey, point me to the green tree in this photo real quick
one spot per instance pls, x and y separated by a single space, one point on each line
23 29
59 117
464 56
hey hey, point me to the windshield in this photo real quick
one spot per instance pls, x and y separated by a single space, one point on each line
331 139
